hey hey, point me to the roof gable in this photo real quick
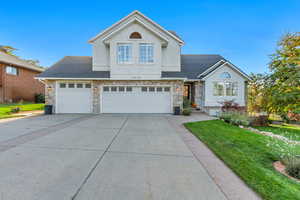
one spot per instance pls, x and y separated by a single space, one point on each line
137 16
220 64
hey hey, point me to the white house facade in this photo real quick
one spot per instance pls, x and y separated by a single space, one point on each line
137 67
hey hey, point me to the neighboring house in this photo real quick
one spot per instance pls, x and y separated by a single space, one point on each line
17 79
137 67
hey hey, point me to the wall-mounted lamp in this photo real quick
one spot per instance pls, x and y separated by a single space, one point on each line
49 88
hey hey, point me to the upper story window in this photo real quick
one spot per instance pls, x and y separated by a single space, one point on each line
124 53
135 35
225 89
146 53
12 70
225 75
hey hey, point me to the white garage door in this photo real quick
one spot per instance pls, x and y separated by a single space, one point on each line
74 98
136 99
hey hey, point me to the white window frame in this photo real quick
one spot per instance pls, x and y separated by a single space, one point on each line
126 56
148 58
233 88
12 70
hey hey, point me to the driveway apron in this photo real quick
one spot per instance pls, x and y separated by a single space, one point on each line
109 157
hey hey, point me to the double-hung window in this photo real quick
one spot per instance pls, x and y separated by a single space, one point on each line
231 88
225 89
146 53
124 53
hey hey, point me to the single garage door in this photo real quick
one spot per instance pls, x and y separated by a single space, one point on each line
74 98
136 99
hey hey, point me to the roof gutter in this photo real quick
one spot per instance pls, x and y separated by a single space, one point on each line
109 79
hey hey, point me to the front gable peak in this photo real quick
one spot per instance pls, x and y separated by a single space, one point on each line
137 17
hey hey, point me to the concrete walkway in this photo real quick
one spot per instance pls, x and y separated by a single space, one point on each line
228 182
88 157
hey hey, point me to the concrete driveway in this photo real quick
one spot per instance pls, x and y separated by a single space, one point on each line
90 157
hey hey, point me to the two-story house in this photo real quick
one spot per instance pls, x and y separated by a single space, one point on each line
137 67
17 79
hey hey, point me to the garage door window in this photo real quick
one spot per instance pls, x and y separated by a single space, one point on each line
159 89
88 85
71 85
151 89
144 89
121 89
113 89
167 89
105 89
79 85
128 89
62 85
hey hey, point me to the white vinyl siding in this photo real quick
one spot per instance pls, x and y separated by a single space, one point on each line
146 53
124 53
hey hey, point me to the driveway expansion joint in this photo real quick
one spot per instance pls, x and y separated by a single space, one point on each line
152 154
99 160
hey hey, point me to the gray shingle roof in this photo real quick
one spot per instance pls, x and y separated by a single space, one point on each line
74 67
81 67
174 33
193 65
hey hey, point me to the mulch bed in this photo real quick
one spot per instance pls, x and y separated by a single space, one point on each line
280 167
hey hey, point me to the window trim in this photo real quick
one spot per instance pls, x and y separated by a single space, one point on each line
130 53
139 56
11 72
224 84
135 32
227 74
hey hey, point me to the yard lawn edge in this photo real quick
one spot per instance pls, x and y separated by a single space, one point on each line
227 163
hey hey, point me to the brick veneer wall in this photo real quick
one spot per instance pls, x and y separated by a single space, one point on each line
20 87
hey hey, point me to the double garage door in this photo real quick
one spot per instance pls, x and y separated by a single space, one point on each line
136 99
77 98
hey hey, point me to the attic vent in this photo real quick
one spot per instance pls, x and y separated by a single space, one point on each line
135 35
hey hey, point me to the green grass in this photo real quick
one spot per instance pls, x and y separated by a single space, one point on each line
288 130
5 109
248 155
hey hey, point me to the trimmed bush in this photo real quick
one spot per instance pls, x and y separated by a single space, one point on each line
261 120
15 110
187 111
292 167
235 118
39 98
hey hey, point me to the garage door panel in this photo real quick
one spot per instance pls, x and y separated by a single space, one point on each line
136 101
74 100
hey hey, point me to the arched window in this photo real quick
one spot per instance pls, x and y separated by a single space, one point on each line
135 35
225 75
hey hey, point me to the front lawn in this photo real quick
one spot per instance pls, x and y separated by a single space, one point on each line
5 109
287 130
248 155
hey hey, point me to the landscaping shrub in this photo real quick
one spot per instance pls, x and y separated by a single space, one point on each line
186 103
293 167
261 120
231 106
15 110
235 118
187 111
39 98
